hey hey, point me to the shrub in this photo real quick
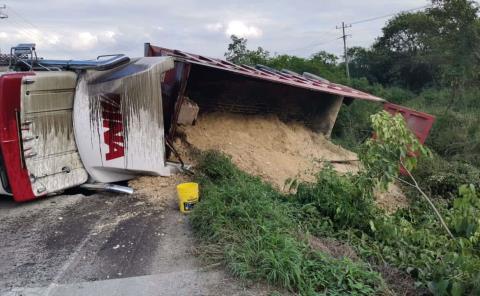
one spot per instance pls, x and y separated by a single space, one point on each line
398 95
254 232
442 178
465 214
338 198
353 124
411 239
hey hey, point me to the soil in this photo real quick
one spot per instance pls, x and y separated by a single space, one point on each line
392 199
398 281
332 247
157 191
267 147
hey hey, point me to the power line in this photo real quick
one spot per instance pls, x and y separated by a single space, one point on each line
18 22
389 15
313 45
344 35
22 18
20 29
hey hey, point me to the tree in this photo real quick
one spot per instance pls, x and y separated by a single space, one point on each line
322 63
325 58
457 42
393 143
363 64
438 46
405 49
237 49
238 53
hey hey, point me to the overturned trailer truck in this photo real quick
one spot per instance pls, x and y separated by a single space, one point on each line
82 123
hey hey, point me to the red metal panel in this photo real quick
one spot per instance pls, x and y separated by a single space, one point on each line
263 73
419 123
10 144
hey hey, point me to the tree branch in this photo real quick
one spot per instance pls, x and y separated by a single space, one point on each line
425 196
404 182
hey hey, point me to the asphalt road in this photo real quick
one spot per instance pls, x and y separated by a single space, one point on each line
103 244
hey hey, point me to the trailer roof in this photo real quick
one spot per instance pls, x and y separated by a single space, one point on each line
305 81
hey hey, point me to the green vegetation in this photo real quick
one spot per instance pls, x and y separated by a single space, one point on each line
261 234
255 232
427 60
410 239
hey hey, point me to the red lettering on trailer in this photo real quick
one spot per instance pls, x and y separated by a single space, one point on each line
112 122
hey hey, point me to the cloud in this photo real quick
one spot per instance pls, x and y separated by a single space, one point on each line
15 36
86 41
52 39
108 36
240 29
214 27
200 27
64 42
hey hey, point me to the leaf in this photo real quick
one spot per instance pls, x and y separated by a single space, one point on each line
457 289
372 226
439 287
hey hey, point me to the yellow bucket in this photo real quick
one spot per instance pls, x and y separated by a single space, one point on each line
187 196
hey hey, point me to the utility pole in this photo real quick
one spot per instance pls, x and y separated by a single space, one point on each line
344 37
2 14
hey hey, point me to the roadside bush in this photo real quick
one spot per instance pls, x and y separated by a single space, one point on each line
455 134
353 124
411 239
259 234
465 214
254 231
442 178
452 133
338 198
398 95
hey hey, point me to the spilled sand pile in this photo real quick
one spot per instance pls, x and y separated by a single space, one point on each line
276 151
265 146
158 191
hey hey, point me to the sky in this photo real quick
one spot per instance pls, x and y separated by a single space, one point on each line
85 29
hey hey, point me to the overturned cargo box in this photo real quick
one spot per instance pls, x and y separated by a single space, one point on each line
218 85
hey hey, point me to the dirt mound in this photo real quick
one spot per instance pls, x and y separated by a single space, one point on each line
265 146
399 282
332 247
276 151
392 199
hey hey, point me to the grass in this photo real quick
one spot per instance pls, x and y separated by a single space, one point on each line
260 234
257 233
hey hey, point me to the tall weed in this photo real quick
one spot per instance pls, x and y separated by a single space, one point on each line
259 237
